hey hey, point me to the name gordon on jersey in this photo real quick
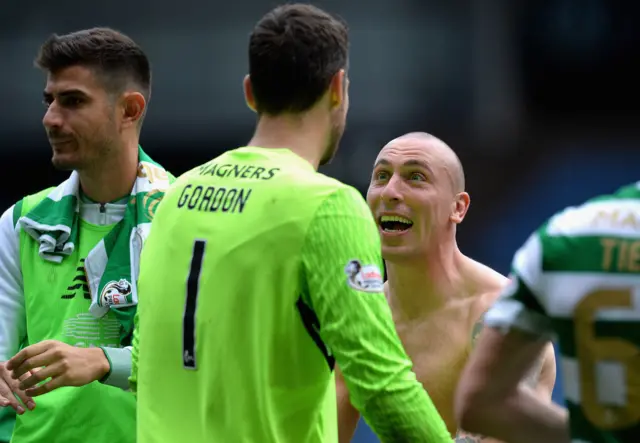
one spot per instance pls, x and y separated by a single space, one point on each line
213 199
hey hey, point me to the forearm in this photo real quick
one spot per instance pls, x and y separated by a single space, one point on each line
531 384
405 415
521 418
120 367
348 416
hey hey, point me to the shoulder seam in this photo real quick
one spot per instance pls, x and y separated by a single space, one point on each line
330 195
315 212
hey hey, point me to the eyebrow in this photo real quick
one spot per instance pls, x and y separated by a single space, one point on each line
68 92
418 163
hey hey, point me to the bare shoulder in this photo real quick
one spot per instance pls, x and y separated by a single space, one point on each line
482 277
489 284
486 283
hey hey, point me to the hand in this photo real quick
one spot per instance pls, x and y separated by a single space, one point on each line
9 387
66 365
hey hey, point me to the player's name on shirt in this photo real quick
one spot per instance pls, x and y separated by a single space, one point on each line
620 255
228 170
608 227
213 199
220 198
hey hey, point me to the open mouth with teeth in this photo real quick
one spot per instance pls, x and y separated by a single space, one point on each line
395 223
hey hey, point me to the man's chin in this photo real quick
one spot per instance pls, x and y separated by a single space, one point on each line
397 253
63 164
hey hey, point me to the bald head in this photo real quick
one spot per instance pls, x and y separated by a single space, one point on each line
419 178
440 150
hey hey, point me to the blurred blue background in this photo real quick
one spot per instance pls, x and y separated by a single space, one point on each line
539 99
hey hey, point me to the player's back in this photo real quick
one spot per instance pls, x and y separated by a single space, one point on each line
590 288
237 354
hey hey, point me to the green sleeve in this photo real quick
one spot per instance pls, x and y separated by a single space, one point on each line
119 367
133 378
355 322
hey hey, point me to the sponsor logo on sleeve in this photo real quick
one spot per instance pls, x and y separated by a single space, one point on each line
365 278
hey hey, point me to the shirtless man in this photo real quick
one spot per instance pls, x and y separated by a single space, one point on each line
437 295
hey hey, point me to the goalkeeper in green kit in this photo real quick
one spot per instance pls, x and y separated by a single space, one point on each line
259 274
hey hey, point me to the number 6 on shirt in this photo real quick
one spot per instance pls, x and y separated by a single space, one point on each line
189 319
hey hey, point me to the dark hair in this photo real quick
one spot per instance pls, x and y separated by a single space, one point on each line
294 52
116 58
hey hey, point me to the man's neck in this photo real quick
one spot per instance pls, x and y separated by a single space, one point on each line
112 179
302 135
425 284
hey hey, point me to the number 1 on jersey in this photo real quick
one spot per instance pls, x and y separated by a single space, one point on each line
189 319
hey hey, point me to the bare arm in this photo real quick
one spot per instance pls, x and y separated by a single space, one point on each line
463 436
545 376
492 400
540 379
348 416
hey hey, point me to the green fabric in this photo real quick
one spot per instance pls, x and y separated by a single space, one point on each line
7 421
283 277
111 276
57 304
17 212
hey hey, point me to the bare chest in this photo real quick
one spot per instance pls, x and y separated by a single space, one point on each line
439 349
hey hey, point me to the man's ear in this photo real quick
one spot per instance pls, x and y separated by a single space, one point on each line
337 89
248 93
133 106
459 207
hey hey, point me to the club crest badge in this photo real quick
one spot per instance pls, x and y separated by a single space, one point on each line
116 293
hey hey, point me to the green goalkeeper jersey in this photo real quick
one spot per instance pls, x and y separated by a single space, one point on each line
259 274
578 279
